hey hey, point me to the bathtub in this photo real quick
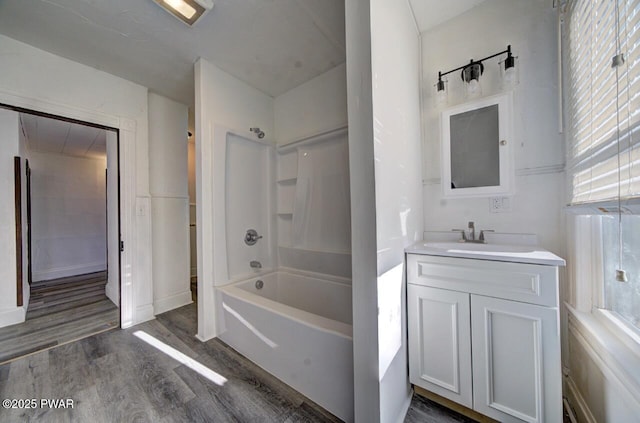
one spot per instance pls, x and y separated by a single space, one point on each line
298 328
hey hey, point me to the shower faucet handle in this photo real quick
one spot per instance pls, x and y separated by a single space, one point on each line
251 237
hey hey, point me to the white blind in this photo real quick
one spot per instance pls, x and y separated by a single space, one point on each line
593 159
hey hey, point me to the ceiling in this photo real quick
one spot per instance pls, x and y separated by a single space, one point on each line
272 45
59 137
430 13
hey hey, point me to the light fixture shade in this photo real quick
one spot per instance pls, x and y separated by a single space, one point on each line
473 89
188 11
441 93
510 72
471 76
472 71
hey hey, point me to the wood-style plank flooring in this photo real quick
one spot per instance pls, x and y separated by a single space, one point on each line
60 311
116 377
423 410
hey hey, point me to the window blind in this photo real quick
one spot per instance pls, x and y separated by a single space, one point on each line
594 154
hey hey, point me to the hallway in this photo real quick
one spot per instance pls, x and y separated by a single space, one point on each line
60 311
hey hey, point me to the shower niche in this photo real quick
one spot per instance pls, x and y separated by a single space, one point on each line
313 204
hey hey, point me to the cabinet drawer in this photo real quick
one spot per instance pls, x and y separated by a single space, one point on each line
530 283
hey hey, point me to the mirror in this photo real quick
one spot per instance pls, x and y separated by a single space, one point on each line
475 148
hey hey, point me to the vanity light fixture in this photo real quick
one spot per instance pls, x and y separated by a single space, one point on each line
441 91
188 11
472 71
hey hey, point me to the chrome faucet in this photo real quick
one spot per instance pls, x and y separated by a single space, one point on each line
472 234
255 264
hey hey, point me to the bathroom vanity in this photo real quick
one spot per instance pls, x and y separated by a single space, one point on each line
484 328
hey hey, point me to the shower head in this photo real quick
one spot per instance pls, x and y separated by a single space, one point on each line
258 132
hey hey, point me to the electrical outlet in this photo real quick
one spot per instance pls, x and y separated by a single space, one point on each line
499 204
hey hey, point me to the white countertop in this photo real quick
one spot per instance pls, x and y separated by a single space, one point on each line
531 254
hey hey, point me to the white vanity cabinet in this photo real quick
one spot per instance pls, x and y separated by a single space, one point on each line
485 334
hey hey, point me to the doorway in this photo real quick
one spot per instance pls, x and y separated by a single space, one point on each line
71 234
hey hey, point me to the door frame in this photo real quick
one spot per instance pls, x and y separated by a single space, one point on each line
125 130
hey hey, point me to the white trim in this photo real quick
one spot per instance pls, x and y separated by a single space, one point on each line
627 334
504 101
112 291
578 404
405 408
61 272
128 133
12 316
144 313
617 362
541 170
627 206
174 301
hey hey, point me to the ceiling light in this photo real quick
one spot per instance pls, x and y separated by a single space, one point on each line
188 11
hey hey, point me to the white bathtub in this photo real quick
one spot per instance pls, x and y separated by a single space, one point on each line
298 328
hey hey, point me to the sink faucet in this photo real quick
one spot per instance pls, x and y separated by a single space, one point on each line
472 232
255 264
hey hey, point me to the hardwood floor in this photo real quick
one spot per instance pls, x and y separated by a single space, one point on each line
48 297
423 410
116 377
60 311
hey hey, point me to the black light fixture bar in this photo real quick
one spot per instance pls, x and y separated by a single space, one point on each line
509 63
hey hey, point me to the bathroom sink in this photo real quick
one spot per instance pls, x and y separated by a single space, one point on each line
498 252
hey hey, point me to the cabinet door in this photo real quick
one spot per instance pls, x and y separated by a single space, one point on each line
440 342
516 361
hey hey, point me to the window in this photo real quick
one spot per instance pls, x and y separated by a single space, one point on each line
622 297
603 139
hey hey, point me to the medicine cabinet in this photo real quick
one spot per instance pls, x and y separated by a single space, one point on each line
477 148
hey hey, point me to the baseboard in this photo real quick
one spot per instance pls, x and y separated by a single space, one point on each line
61 272
143 314
169 303
112 293
577 403
12 316
405 408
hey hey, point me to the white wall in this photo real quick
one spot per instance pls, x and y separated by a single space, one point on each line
38 80
68 216
384 150
314 107
363 211
10 313
168 183
531 29
395 52
222 101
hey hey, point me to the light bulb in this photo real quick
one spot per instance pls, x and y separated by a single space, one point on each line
181 7
473 88
509 78
441 98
